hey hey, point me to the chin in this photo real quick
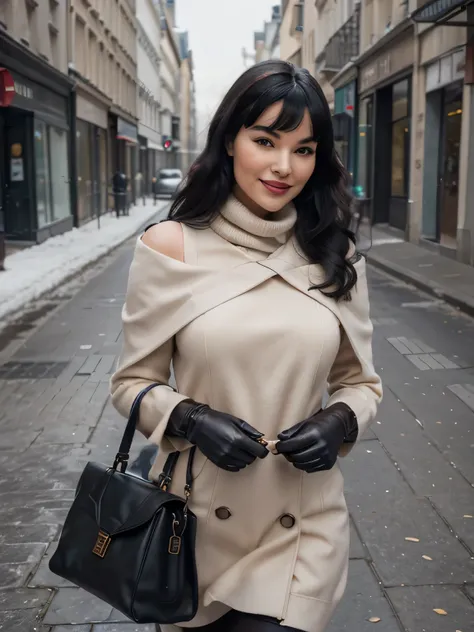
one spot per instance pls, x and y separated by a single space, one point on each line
273 205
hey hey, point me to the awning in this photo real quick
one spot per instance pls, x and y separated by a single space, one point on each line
155 146
442 12
127 131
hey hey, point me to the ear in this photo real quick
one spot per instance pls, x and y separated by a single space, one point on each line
230 147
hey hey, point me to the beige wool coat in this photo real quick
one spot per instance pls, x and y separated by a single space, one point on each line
246 336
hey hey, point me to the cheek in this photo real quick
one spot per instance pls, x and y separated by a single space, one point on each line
304 169
247 157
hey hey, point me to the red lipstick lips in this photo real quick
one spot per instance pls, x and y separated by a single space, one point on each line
275 187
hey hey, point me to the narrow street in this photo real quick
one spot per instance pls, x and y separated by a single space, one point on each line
409 484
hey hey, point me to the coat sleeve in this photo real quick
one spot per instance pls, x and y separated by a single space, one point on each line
157 288
352 378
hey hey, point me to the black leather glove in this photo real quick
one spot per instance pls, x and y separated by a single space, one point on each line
312 445
227 441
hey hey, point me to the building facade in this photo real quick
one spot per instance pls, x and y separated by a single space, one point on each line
267 42
415 97
309 39
35 132
399 79
291 31
442 211
149 93
188 140
170 83
103 63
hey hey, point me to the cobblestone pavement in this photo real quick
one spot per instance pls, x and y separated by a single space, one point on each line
409 484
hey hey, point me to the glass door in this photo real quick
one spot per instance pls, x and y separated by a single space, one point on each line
43 180
449 166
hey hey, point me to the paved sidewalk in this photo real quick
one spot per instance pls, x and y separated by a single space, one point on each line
440 276
55 415
31 272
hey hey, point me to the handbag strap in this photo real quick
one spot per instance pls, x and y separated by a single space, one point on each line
123 454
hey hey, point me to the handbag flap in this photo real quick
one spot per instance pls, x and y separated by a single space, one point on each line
121 502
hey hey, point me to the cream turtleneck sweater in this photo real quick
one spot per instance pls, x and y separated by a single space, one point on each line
238 225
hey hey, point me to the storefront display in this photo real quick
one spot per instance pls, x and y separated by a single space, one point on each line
400 139
384 132
35 120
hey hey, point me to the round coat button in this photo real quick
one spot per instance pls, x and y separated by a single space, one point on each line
223 513
287 521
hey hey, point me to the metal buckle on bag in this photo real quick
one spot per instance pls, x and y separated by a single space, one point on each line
122 460
163 482
101 544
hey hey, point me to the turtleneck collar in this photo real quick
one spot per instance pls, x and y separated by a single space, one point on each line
241 227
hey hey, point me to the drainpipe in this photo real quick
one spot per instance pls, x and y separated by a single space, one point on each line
73 156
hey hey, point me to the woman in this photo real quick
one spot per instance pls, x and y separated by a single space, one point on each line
253 292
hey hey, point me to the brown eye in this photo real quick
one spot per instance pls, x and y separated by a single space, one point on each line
264 142
305 151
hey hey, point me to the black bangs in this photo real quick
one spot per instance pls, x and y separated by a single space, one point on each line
296 99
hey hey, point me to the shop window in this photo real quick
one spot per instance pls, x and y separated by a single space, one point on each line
175 125
400 139
32 21
93 56
54 48
80 47
43 197
400 100
58 142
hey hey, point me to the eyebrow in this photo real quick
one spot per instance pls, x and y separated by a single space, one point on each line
268 130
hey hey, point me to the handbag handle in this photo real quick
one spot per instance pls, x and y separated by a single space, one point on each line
123 455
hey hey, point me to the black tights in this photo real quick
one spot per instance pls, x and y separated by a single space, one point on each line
235 621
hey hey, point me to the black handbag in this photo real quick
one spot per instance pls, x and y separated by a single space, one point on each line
129 541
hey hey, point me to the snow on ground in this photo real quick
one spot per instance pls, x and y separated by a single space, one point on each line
34 271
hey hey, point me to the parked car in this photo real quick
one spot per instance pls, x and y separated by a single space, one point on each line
167 182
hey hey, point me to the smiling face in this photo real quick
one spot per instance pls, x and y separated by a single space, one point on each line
271 167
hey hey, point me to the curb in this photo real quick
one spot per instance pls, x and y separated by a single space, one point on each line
7 318
466 305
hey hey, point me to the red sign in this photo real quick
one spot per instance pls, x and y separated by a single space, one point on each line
7 88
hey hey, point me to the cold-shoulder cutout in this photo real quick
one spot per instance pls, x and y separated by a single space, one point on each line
166 238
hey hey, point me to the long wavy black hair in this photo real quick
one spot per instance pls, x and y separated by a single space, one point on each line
323 207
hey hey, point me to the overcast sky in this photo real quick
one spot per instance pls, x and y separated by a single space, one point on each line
218 29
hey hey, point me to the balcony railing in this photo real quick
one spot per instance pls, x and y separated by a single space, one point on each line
343 45
442 12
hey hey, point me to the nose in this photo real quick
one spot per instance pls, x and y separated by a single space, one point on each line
282 165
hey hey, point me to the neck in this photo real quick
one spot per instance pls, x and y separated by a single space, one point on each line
240 226
252 206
